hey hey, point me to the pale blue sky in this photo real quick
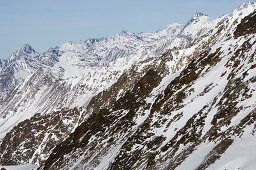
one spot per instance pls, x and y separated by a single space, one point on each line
48 23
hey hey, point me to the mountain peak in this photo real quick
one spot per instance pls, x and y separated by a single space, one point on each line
27 49
124 33
92 41
246 4
198 14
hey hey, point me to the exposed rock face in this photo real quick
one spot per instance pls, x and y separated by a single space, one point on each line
32 140
247 26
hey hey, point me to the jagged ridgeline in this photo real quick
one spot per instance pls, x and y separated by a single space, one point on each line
184 106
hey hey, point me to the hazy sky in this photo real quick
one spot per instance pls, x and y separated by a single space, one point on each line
48 23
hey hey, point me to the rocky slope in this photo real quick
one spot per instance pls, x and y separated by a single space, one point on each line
38 135
186 108
202 117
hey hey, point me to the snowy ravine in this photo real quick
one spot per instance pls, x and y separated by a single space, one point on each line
180 97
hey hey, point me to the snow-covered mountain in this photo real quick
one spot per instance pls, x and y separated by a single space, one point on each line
149 101
14 70
202 117
69 75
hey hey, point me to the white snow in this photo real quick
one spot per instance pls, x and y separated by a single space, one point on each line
240 155
197 156
21 167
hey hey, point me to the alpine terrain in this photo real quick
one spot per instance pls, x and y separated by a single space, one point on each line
183 97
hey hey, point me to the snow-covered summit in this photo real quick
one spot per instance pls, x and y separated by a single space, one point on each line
198 14
91 41
244 9
26 50
247 4
125 33
199 24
